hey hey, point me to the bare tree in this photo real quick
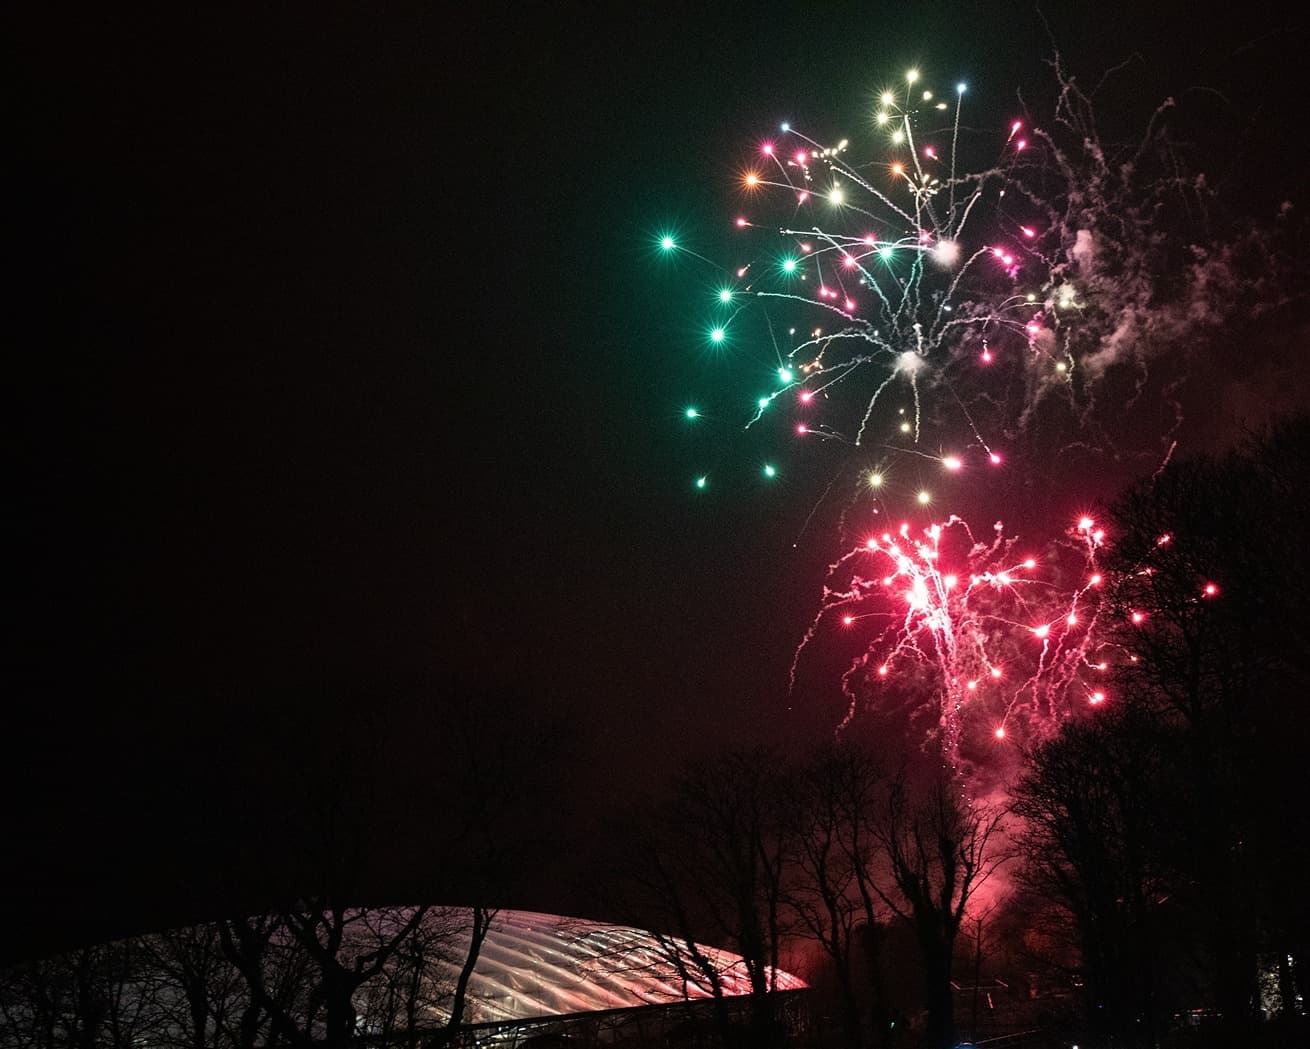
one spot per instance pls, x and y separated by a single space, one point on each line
198 993
707 866
1210 602
837 799
32 1002
1094 841
275 979
940 850
337 950
94 997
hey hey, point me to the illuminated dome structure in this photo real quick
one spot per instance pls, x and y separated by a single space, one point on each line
536 965
537 976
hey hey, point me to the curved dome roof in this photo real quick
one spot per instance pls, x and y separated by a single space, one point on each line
535 965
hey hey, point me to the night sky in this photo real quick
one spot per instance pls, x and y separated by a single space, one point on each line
346 379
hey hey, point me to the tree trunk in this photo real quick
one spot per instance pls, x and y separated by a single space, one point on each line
850 1007
338 994
879 1013
940 1033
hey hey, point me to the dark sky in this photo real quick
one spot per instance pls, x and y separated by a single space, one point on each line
344 374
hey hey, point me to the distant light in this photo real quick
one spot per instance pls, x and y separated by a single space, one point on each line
788 265
763 402
996 672
785 126
667 243
911 76
996 459
875 480
952 463
905 427
725 295
887 98
1041 631
692 413
882 670
784 375
802 429
701 481
924 498
882 117
1097 697
1085 523
718 334
961 88
1211 590
769 471
1000 731
836 195
1030 563
847 620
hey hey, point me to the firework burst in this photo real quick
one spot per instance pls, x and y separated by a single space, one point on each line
1011 641
944 305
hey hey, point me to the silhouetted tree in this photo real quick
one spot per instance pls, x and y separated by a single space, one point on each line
94 997
1095 840
940 850
1212 579
707 866
838 796
198 993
